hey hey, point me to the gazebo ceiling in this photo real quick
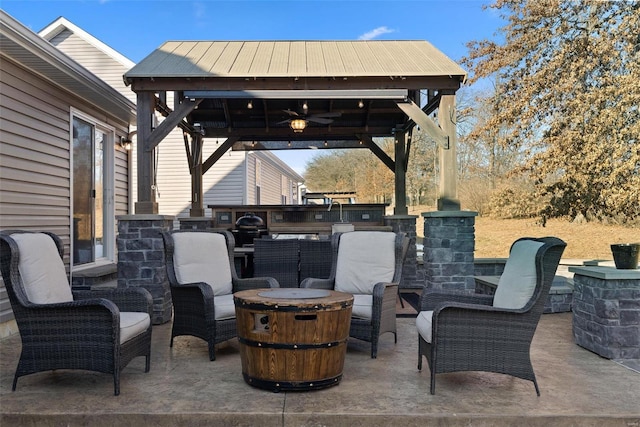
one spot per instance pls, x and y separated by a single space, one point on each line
251 90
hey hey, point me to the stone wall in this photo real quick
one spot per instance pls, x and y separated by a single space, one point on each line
606 313
141 259
449 243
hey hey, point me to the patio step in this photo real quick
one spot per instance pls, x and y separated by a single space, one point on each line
105 275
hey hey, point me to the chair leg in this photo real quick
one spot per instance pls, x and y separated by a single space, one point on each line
15 382
147 365
116 383
212 351
535 383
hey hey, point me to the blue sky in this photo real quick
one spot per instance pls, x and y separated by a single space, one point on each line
136 27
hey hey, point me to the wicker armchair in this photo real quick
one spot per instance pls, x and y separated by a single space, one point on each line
367 264
203 279
63 329
492 333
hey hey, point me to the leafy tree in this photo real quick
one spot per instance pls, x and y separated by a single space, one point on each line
569 99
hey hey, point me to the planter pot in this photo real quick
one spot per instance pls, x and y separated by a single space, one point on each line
625 255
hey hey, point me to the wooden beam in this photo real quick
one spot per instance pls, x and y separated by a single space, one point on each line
448 192
400 174
146 203
216 155
171 121
375 149
418 116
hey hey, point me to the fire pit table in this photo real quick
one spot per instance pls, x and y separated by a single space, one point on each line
292 339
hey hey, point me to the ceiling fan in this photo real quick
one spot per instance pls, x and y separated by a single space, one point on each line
298 122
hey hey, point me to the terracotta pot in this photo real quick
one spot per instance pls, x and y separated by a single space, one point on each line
625 255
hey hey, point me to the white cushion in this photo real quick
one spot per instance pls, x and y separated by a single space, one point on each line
362 306
364 259
224 306
132 324
202 257
424 322
41 269
518 281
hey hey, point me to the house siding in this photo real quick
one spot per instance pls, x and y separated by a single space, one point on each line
35 177
94 60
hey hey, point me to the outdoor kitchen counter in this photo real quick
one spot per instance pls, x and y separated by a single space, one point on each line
606 311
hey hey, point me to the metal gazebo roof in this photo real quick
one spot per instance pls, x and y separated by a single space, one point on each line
346 92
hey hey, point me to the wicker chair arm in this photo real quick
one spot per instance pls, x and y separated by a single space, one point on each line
130 299
312 282
383 295
430 299
254 283
74 313
453 321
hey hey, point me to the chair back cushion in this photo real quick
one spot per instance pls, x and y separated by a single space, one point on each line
518 281
364 259
41 269
202 257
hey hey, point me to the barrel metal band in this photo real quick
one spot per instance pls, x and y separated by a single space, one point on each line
289 346
289 308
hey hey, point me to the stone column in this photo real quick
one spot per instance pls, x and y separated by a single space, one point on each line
449 242
141 259
407 224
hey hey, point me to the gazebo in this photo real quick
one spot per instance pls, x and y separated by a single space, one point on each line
287 95
283 95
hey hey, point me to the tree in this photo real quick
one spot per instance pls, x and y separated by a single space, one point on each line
569 99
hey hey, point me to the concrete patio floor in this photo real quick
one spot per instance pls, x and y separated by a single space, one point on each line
184 388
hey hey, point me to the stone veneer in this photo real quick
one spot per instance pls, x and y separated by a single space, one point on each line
448 250
606 311
406 224
141 259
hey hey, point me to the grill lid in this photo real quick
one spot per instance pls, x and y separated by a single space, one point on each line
249 221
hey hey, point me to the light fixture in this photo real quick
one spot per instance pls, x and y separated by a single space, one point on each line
360 104
305 106
250 105
298 125
125 143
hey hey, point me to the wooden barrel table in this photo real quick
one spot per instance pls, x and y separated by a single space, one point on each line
292 339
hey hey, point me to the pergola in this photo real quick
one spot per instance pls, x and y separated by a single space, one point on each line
252 94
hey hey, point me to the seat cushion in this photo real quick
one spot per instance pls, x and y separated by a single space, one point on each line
42 271
202 257
364 259
424 322
362 306
518 280
132 324
224 306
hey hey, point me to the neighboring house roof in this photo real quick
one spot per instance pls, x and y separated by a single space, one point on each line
393 58
31 51
284 168
61 24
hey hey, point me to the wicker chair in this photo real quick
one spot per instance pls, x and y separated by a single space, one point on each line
367 264
203 279
278 259
492 333
63 329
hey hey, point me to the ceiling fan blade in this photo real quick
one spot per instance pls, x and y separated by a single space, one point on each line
327 115
291 113
284 121
320 120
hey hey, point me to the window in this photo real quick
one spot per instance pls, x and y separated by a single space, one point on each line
92 192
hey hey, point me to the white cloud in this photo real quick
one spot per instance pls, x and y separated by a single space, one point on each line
376 33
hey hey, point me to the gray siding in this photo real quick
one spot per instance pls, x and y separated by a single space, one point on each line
35 157
94 60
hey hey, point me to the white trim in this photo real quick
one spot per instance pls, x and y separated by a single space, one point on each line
60 24
109 231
